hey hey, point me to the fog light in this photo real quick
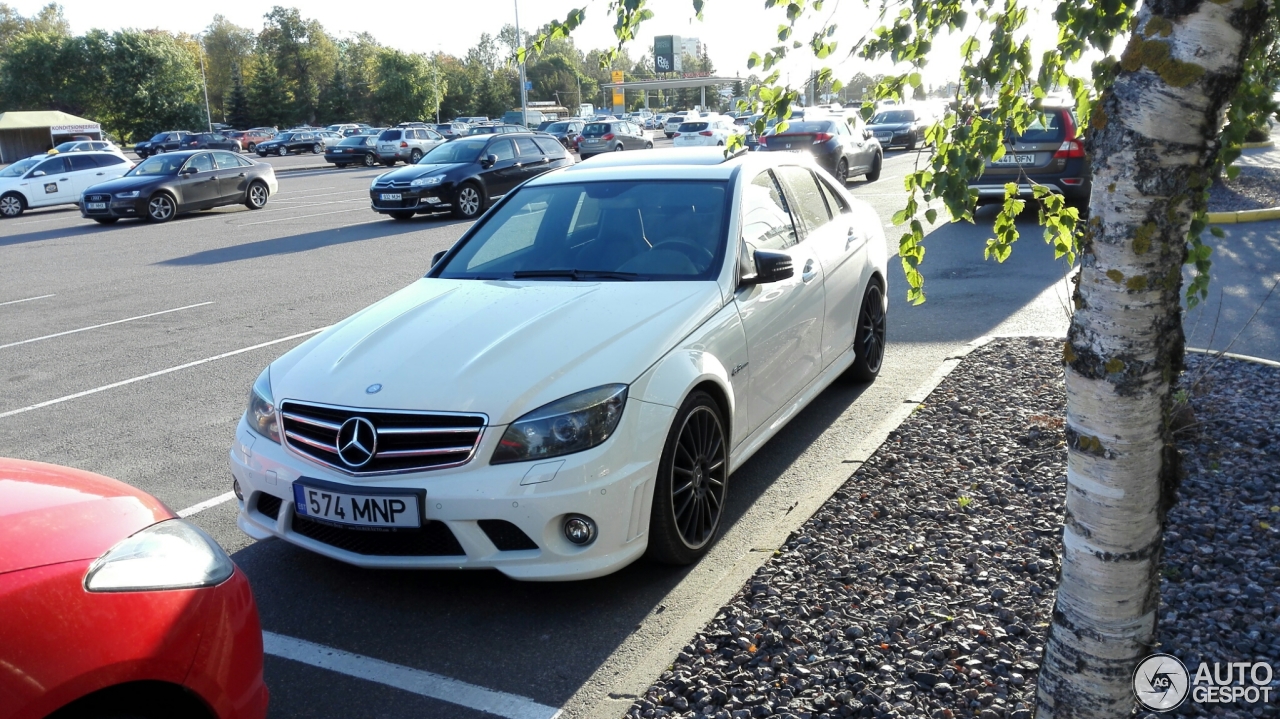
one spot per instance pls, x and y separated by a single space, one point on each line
580 530
235 487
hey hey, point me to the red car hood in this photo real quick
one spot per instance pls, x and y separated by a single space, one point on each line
51 514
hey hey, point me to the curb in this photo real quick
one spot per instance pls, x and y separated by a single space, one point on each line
1258 145
648 651
1234 356
1241 216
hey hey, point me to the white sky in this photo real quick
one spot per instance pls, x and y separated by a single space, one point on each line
731 29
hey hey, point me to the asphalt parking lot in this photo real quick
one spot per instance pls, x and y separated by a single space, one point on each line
129 350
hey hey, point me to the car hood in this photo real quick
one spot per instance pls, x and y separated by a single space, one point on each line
51 514
498 347
413 172
125 184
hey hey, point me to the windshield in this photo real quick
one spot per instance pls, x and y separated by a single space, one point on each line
893 117
622 230
462 150
20 167
158 165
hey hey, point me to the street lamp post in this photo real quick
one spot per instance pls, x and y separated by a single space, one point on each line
524 93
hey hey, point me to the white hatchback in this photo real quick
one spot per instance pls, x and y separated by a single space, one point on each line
47 180
572 383
707 132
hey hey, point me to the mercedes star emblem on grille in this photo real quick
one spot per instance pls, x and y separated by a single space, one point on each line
357 442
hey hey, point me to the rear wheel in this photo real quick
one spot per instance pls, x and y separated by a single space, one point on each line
401 215
106 220
875 168
256 197
161 208
692 484
869 340
469 201
370 160
842 171
12 205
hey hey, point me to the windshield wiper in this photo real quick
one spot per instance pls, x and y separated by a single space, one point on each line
575 274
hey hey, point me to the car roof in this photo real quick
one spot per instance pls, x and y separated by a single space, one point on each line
695 163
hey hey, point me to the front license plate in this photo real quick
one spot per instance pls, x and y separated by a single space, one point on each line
357 510
1016 160
96 205
388 196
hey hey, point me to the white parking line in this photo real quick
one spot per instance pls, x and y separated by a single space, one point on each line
29 299
104 324
206 504
406 679
302 217
157 373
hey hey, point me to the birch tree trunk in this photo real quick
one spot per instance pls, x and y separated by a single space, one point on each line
1153 141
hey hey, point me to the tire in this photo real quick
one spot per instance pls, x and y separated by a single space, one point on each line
469 202
370 160
282 151
692 484
106 220
316 149
252 147
161 208
869 341
874 174
415 156
842 171
255 198
12 205
401 215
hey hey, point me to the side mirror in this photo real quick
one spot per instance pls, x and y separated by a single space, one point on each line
489 160
435 259
770 267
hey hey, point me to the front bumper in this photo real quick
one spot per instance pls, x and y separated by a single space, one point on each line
612 484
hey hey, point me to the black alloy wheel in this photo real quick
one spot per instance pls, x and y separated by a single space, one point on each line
161 208
370 159
692 484
869 341
875 168
842 171
256 196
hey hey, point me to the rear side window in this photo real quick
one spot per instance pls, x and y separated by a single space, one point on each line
549 146
527 148
806 198
389 135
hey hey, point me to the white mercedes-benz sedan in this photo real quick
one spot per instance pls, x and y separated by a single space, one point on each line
573 383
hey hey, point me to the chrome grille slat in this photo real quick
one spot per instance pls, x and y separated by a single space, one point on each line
405 441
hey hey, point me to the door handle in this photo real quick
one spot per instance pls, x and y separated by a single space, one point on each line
809 273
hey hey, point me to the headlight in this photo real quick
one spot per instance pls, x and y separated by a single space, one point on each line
427 181
127 195
577 422
169 555
261 414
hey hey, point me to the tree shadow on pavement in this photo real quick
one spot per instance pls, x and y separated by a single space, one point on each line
307 241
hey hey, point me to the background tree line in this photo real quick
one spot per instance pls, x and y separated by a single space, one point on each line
290 72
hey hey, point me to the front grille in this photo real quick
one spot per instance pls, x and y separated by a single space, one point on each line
506 536
433 540
405 441
269 505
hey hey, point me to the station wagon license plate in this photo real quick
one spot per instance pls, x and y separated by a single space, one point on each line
399 511
95 205
1016 160
389 196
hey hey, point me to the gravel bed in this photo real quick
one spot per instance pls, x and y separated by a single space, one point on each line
1255 188
924 586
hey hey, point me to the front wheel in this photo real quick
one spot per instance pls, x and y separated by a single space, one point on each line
468 203
692 483
256 197
869 341
11 205
161 208
875 168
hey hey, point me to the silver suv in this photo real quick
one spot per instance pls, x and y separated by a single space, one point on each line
406 143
